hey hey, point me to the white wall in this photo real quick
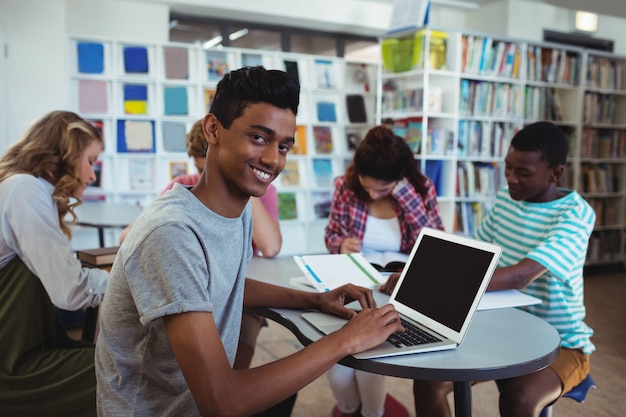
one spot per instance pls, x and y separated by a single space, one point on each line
36 32
35 66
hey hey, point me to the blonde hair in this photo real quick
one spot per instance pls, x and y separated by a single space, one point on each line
50 149
197 145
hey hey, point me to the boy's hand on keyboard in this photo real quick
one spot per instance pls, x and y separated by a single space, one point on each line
333 302
370 327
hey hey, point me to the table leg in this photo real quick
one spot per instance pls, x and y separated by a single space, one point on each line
462 399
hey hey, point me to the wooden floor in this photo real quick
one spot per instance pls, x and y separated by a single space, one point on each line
605 298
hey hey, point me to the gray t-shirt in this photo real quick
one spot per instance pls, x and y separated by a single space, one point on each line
179 256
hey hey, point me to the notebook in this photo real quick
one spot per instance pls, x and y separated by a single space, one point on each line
438 291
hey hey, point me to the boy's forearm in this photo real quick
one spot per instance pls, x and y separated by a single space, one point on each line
262 294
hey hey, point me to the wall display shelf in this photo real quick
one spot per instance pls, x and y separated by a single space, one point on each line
458 105
145 98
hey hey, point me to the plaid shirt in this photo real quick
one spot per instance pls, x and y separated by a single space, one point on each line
348 215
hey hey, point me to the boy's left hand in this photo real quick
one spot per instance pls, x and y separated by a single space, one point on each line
334 301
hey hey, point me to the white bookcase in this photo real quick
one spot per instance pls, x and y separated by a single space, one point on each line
146 96
459 105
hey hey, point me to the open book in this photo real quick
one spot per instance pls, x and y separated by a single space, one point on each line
387 261
327 272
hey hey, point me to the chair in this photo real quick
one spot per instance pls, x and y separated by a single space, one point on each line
578 393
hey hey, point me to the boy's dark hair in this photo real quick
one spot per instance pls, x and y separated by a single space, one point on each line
543 137
384 156
248 85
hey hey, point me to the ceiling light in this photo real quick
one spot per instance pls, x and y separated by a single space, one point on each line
585 21
218 39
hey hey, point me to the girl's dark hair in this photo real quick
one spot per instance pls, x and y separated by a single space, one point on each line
242 87
383 156
543 137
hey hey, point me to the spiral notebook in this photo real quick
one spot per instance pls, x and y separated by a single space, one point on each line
438 292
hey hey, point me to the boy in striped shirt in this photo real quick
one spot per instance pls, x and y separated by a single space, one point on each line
544 232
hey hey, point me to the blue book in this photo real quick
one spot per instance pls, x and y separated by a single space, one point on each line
433 171
135 59
175 100
90 57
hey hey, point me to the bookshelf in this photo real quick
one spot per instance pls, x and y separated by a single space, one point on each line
601 176
145 98
459 105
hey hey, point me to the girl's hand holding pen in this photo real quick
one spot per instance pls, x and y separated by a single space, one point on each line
350 245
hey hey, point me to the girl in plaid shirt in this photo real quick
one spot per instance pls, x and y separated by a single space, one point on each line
380 204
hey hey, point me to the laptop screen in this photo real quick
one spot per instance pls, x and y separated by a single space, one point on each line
442 280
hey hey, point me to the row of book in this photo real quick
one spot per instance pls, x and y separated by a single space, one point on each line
411 99
483 138
607 210
601 178
484 98
486 56
603 143
604 73
467 216
476 179
599 108
605 246
543 103
552 65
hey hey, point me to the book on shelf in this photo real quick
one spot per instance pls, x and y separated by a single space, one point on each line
209 95
299 147
326 111
97 169
290 177
174 136
291 67
321 201
353 138
175 101
178 168
323 138
98 256
287 206
93 97
90 57
387 261
135 99
176 61
216 64
322 172
325 73
329 271
141 174
135 136
136 59
357 76
355 105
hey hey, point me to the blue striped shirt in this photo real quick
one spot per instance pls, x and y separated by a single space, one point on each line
556 235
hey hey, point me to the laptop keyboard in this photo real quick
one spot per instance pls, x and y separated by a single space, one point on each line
411 337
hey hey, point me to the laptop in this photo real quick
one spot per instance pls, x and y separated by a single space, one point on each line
438 292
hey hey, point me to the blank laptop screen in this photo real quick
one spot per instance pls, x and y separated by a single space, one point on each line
442 280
